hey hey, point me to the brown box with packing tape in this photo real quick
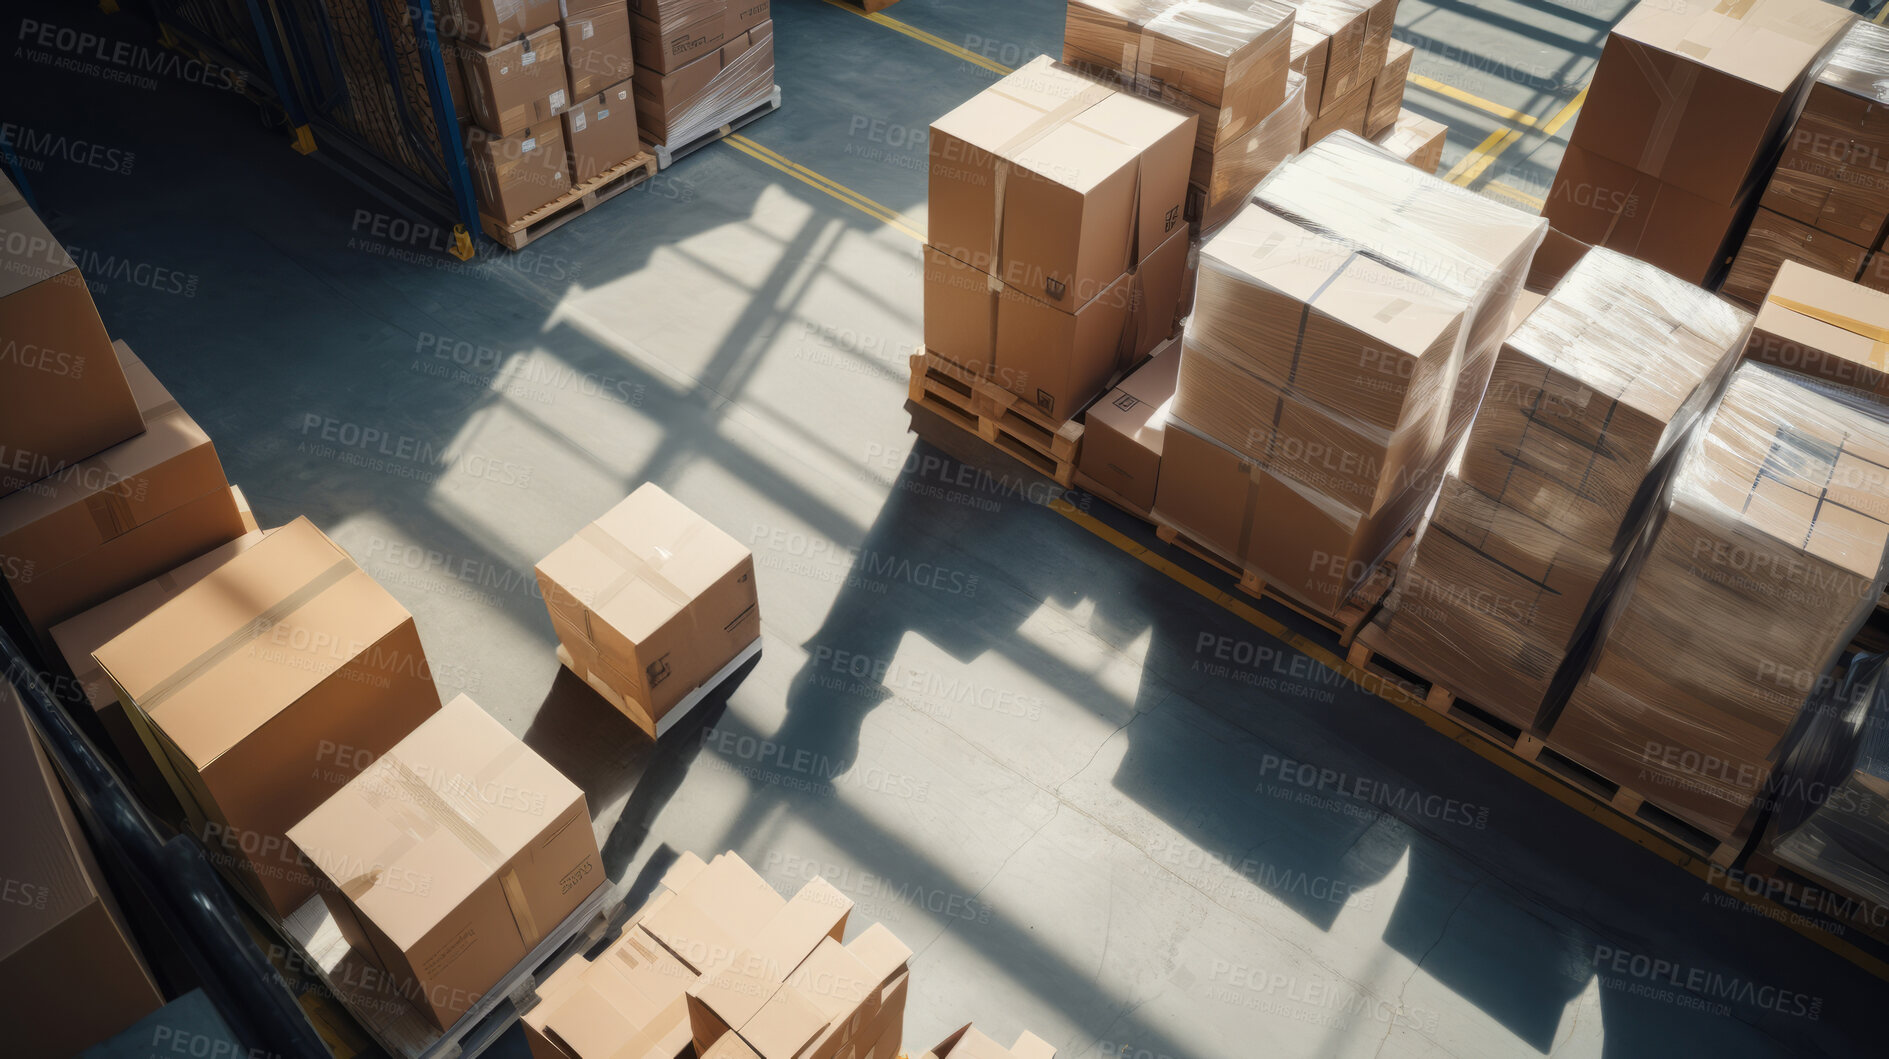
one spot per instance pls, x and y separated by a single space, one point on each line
1685 113
649 602
1817 324
1415 139
117 519
78 636
265 687
1774 239
451 856
1056 184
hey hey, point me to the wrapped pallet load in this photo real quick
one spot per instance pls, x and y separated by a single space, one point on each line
1591 397
1344 328
1767 557
1226 63
1832 803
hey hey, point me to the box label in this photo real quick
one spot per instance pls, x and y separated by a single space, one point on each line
577 121
530 144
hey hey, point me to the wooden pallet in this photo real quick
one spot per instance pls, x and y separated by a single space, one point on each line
572 204
1349 619
1046 445
1396 676
669 154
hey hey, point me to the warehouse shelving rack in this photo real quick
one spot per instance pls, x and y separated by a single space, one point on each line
359 83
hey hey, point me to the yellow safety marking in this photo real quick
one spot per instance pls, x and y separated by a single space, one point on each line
1523 198
923 37
834 188
1478 161
1506 113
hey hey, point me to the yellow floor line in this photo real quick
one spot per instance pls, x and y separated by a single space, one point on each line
1881 14
852 198
923 37
1533 202
1477 162
1398 696
1506 113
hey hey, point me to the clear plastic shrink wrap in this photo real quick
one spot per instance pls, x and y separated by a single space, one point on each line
1767 557
1589 397
1833 175
1326 356
746 81
1833 802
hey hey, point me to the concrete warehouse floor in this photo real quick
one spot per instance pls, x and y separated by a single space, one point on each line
1071 784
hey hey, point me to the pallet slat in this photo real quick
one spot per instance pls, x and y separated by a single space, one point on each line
1530 748
981 407
572 204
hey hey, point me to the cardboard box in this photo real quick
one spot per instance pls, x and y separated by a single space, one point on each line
1773 240
1559 253
1490 601
1224 63
600 132
490 23
662 597
832 1001
264 688
1379 21
1347 111
63 396
967 1043
1344 24
1594 390
1311 50
1289 327
452 856
517 174
674 40
597 50
70 975
1417 140
1768 558
1301 541
1092 179
1834 174
77 637
116 519
1696 93
1603 203
1121 436
1387 89
518 85
677 107
1234 171
745 15
630 1003
1819 325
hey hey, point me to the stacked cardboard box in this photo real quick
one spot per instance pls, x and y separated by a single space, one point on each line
451 857
699 64
1767 559
600 127
1828 202
70 975
1683 122
62 394
1344 45
1415 139
1226 64
1057 241
1814 323
650 603
116 519
719 962
512 63
1343 330
1589 396
264 687
79 636
968 1043
1122 434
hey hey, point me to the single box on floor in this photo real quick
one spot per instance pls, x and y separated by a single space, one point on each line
649 603
70 975
265 687
116 519
63 395
451 857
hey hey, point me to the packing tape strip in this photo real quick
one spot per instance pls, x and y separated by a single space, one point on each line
1023 138
634 567
1675 95
161 692
1876 333
111 513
